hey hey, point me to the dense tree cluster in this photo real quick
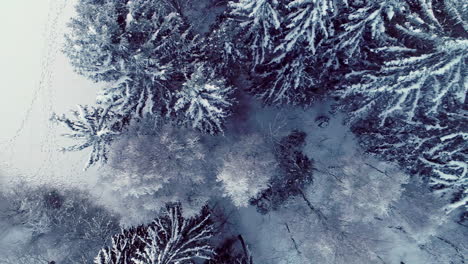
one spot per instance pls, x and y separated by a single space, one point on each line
175 123
142 51
397 67
414 100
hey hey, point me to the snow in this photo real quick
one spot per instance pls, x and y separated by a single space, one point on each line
217 145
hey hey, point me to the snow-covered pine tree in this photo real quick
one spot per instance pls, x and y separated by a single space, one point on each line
173 239
124 246
308 23
289 74
415 102
95 127
169 239
360 27
261 20
134 46
431 71
139 50
287 79
204 100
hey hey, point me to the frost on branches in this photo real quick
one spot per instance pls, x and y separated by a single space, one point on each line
416 100
261 19
360 27
287 75
64 225
436 150
247 168
123 247
169 239
286 80
204 100
154 167
137 47
94 127
308 22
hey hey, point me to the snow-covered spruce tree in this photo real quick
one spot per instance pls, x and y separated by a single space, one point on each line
287 79
221 51
140 50
204 100
289 74
415 102
123 247
308 23
94 127
246 169
294 174
360 29
169 239
134 46
261 20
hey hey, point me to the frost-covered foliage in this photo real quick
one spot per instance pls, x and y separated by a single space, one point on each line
45 223
415 101
261 19
94 127
123 246
287 80
169 239
360 28
414 86
362 189
139 50
294 173
283 39
204 100
247 167
221 51
151 167
307 23
437 150
138 47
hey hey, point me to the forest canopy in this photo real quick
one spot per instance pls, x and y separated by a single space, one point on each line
267 131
